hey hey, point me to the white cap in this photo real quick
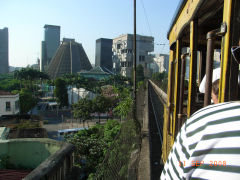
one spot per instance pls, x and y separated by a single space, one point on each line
215 76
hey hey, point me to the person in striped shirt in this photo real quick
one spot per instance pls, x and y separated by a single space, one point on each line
207 146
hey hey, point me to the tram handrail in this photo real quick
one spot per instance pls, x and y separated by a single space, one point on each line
159 92
156 118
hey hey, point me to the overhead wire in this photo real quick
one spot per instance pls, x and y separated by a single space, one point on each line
145 13
149 28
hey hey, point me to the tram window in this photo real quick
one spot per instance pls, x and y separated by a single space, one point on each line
217 58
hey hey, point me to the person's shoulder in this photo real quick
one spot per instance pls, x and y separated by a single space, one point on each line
214 109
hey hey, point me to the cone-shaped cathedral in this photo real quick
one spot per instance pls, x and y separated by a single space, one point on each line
69 58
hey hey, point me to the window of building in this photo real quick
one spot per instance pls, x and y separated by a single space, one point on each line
123 64
16 105
8 106
118 46
129 51
141 58
129 64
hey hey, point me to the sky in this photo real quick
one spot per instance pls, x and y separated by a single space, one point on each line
83 20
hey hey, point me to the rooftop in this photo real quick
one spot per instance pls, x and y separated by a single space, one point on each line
9 174
95 70
51 26
5 93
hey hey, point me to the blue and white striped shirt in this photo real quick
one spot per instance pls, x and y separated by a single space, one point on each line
207 146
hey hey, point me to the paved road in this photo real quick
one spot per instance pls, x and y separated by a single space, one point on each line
55 123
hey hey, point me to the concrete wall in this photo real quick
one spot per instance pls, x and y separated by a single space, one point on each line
28 153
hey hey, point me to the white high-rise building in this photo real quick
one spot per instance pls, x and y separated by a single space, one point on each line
123 54
160 63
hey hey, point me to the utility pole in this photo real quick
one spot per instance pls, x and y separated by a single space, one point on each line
134 55
138 126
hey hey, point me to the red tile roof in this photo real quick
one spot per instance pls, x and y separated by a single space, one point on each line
5 93
10 174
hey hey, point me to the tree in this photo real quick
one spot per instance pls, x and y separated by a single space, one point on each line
83 109
101 105
118 80
161 79
60 92
125 102
28 76
91 145
139 73
27 101
159 76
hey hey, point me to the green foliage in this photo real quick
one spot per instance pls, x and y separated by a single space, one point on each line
45 122
118 80
161 79
95 85
159 76
27 100
4 161
30 74
115 165
92 143
140 84
15 92
83 109
8 83
124 107
111 128
101 104
28 125
125 103
139 73
28 77
60 92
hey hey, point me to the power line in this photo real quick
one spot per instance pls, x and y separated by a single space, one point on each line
146 18
161 52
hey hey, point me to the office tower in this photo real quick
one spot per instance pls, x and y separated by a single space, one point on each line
70 58
103 56
49 45
3 50
123 54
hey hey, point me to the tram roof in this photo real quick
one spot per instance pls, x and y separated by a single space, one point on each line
209 15
180 6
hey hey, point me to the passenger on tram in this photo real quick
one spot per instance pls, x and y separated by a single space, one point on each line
215 76
216 72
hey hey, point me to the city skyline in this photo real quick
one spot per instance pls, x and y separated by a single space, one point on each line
84 21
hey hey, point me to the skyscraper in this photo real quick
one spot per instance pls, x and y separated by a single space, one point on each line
3 50
103 56
49 45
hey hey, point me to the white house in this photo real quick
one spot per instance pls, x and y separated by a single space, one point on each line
74 94
9 103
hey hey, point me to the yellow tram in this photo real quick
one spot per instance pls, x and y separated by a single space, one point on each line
199 28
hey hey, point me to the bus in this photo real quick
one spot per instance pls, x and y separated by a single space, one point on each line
61 133
198 29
